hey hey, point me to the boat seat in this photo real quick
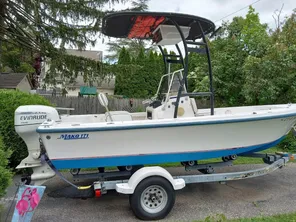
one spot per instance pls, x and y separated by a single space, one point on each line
194 106
118 116
113 115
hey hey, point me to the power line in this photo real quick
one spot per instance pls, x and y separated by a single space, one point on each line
238 10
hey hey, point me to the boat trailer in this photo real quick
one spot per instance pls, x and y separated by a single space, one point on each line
152 189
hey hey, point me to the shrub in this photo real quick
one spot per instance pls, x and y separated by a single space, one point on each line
289 143
10 100
5 174
140 109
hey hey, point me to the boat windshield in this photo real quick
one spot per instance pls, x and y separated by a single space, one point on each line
169 85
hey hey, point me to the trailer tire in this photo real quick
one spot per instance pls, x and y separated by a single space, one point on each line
124 168
153 198
207 171
225 158
132 169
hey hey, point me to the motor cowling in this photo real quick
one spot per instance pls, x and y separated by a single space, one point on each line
34 115
26 121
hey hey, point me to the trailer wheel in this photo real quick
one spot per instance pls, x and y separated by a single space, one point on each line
189 163
232 157
125 168
132 169
225 158
207 171
153 198
75 171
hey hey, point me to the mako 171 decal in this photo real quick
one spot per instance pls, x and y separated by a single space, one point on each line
73 136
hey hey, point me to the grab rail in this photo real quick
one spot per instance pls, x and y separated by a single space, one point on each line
168 74
170 86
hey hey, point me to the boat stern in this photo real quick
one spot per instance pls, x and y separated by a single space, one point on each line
26 121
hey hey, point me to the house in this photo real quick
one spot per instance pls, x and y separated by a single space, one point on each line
20 81
50 92
90 54
80 87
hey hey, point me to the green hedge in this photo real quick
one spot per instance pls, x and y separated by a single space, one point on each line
10 100
5 174
288 144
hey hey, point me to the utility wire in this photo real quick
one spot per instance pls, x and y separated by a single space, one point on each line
237 11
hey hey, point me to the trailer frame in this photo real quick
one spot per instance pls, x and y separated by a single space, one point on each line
158 175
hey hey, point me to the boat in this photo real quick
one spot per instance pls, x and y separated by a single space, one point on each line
172 129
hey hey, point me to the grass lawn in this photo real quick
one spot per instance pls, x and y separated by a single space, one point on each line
277 218
240 160
245 160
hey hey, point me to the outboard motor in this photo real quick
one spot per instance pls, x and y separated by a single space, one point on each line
26 120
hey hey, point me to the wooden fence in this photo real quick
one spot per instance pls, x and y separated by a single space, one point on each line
91 105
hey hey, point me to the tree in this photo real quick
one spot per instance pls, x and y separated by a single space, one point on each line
254 34
288 33
141 57
15 59
123 73
227 59
47 27
124 57
250 66
271 78
133 45
138 79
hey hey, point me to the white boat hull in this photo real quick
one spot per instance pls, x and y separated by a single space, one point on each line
159 141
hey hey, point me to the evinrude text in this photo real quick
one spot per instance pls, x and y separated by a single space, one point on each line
32 117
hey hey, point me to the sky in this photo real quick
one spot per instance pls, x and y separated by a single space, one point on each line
214 10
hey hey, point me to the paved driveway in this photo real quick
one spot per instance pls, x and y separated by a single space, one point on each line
271 194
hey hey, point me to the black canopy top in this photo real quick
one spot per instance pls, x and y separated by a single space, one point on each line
140 25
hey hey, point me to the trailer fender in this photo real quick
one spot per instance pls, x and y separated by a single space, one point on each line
145 172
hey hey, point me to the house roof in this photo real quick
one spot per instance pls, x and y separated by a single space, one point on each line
79 81
48 91
11 80
106 83
95 55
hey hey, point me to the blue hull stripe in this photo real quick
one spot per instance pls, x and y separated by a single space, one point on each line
155 158
161 125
